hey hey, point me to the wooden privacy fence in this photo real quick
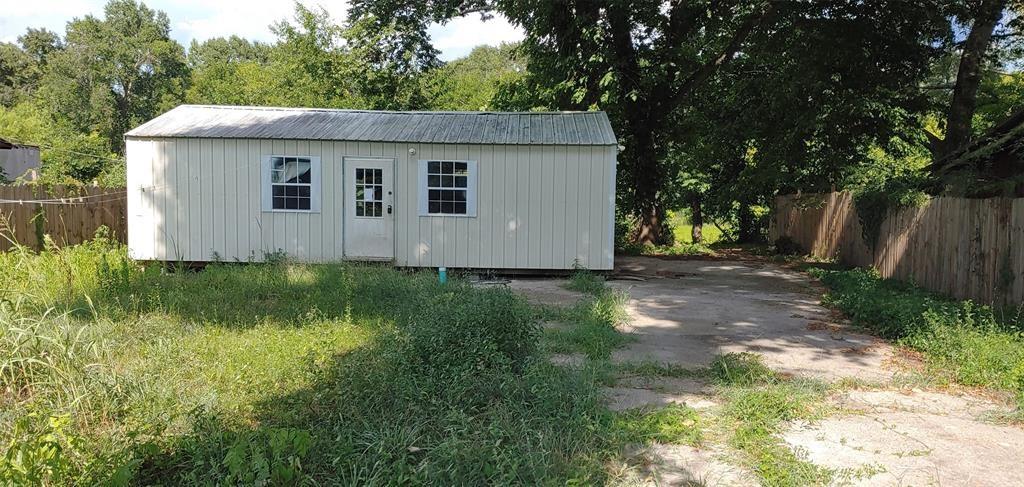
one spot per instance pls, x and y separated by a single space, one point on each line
965 248
68 215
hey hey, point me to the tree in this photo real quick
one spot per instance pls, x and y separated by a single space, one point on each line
68 157
801 106
474 82
40 44
220 50
637 60
984 16
115 73
232 71
17 72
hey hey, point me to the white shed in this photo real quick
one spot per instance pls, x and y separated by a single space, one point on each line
478 190
18 161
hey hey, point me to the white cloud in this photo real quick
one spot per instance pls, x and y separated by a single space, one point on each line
461 35
244 18
203 19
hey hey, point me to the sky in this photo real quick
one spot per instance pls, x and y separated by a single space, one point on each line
203 19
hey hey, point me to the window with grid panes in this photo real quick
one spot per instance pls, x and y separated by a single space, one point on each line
369 192
291 183
447 187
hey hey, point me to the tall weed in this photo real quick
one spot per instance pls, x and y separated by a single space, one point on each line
961 341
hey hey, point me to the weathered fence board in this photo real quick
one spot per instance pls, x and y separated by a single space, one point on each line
68 215
965 248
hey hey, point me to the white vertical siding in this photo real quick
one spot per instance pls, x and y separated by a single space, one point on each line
538 207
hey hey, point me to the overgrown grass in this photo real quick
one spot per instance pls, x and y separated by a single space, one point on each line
673 424
593 320
585 281
112 372
961 341
757 404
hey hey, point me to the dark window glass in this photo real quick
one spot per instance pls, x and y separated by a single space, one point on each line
446 186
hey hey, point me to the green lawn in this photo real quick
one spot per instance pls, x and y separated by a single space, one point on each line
682 230
282 373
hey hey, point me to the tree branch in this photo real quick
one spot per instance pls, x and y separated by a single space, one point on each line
704 72
933 140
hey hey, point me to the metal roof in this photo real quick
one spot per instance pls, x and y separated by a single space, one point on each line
518 128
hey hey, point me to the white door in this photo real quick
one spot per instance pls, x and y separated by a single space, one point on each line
369 209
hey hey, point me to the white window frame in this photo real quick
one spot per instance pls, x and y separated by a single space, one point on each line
424 191
268 188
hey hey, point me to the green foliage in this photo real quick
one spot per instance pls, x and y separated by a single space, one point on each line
886 182
212 454
672 425
473 82
960 340
741 369
68 157
114 73
584 281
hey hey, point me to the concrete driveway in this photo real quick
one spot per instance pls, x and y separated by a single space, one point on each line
685 312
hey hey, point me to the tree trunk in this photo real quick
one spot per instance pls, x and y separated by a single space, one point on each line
747 232
968 78
652 228
696 220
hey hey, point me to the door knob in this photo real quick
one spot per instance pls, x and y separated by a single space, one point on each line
389 209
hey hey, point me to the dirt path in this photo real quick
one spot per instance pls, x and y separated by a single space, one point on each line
687 312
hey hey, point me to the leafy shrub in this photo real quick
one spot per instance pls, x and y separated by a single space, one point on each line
216 454
878 196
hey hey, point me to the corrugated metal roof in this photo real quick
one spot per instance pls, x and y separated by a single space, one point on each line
517 128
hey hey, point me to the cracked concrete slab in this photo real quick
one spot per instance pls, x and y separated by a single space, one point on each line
721 307
636 392
683 465
913 448
545 291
